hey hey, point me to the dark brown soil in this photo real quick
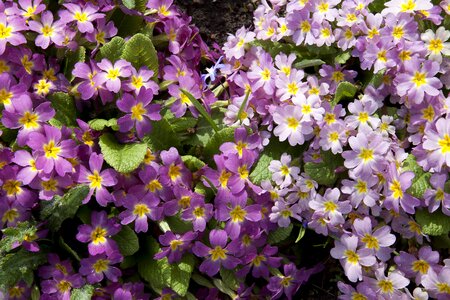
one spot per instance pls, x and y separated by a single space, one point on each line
216 19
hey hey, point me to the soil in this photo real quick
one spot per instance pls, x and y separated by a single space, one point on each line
218 18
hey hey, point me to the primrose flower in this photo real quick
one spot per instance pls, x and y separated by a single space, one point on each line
291 125
48 30
436 43
102 32
263 74
396 195
61 285
406 6
174 245
97 179
26 8
330 206
282 213
437 196
389 286
96 267
111 73
352 258
140 207
361 189
426 260
88 87
99 233
139 79
437 143
83 15
291 85
180 106
163 7
438 283
219 254
289 283
282 172
199 213
418 80
259 262
10 28
139 111
52 150
333 137
244 144
235 45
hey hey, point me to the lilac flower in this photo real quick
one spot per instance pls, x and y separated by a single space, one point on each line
333 137
102 32
282 213
88 87
351 258
362 291
99 233
244 144
10 89
12 212
434 197
361 190
330 205
83 15
139 111
139 79
219 255
111 73
396 194
260 262
389 286
199 213
438 283
98 266
291 85
362 112
10 28
173 171
174 245
51 185
13 189
53 150
140 208
180 106
289 283
419 266
282 172
27 8
48 30
418 80
235 45
324 10
437 43
56 265
406 6
163 7
291 126
263 74
437 143
211 73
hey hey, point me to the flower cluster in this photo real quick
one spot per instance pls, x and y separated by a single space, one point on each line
137 163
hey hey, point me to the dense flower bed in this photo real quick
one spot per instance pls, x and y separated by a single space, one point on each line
138 163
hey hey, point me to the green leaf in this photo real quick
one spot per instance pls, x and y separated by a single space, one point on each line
180 275
377 6
421 180
344 90
192 162
229 278
220 137
203 281
224 288
301 234
162 136
139 51
112 50
15 234
124 158
201 109
84 293
279 234
306 63
64 105
128 25
273 151
342 58
19 265
61 208
156 272
127 241
324 172
130 4
243 106
434 224
71 59
100 124
35 293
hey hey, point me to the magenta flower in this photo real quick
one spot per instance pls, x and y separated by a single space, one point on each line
97 179
174 245
244 144
140 207
96 267
220 254
102 32
52 150
99 233
61 285
26 8
13 189
139 111
199 213
84 16
263 74
48 30
10 28
139 79
182 103
111 74
87 87
395 191
260 262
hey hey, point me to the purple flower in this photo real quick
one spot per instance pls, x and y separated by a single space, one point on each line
419 266
98 266
139 112
282 213
259 263
52 149
396 194
437 143
10 28
48 30
438 283
83 15
173 171
111 73
282 172
289 283
174 245
244 145
140 207
378 240
220 254
101 32
263 74
434 197
199 213
330 206
291 125
99 233
389 286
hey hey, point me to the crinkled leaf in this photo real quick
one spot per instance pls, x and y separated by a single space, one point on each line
324 172
61 208
139 51
100 124
162 136
127 241
229 278
156 272
224 288
220 137
342 58
83 293
377 6
279 234
130 4
181 274
19 265
344 90
64 106
127 25
421 180
203 281
435 223
16 234
192 162
112 50
124 158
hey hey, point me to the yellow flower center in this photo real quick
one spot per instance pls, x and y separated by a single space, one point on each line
286 213
241 43
428 113
404 55
27 63
286 281
292 123
98 235
352 256
351 17
199 212
292 88
64 286
16 292
373 32
397 32
137 82
265 74
386 286
47 31
185 99
141 210
240 146
330 206
414 227
420 266
174 244
29 120
3 66
408 6
5 97
100 265
348 34
5 32
329 118
238 214
323 7
95 179
306 109
185 202
436 45
218 253
50 150
10 215
444 143
43 87
81 16
370 241
154 185
137 111
366 154
396 189
443 288
358 296
381 55
284 170
174 172
223 179
50 185
419 79
163 10
333 136
325 32
337 76
113 74
87 138
363 117
305 26
439 195
100 37
258 260
243 172
361 187
29 12
12 187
